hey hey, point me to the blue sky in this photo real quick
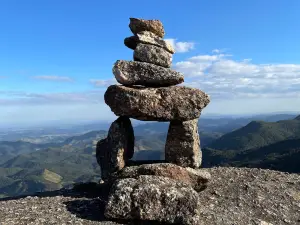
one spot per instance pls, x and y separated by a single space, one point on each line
56 56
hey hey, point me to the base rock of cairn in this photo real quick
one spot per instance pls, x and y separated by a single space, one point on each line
196 178
165 192
154 198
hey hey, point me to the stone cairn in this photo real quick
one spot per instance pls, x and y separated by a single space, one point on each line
165 192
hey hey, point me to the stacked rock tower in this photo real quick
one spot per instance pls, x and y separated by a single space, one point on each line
149 92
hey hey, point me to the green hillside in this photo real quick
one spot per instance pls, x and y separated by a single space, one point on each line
61 166
258 134
282 156
26 167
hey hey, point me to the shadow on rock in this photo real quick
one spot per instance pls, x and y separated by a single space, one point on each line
87 209
87 190
93 209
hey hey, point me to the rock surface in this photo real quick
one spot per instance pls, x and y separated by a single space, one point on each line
155 26
156 104
153 198
147 37
103 153
113 152
183 144
235 196
198 179
152 54
146 74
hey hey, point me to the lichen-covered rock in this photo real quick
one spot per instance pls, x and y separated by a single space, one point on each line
156 104
153 198
183 144
146 74
198 179
152 54
113 152
147 37
155 26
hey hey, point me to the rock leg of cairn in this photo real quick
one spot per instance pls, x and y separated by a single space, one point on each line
114 152
183 144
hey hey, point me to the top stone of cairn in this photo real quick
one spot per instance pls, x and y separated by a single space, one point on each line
155 26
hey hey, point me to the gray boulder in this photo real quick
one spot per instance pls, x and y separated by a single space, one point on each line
156 104
146 74
152 54
155 26
153 198
198 179
147 37
113 153
183 144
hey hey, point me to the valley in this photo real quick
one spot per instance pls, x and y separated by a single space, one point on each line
37 164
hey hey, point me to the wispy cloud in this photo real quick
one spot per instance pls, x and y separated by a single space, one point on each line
223 77
103 83
25 98
181 47
53 78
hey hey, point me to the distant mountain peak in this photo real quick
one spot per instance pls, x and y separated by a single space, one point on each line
297 118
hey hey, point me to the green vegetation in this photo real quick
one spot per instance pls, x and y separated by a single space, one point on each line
26 168
282 156
258 134
52 177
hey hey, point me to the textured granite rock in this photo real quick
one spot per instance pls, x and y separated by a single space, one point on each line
152 54
183 144
140 73
113 152
153 198
155 26
239 196
147 37
198 179
156 104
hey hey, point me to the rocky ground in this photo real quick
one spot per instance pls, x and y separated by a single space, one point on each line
234 196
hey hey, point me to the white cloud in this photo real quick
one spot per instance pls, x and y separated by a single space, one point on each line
103 83
235 86
53 78
223 77
181 47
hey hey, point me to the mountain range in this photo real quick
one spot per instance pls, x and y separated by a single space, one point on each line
31 167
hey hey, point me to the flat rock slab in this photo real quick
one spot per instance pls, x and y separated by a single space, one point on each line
183 144
140 73
155 26
153 198
198 179
152 54
147 37
156 104
113 153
